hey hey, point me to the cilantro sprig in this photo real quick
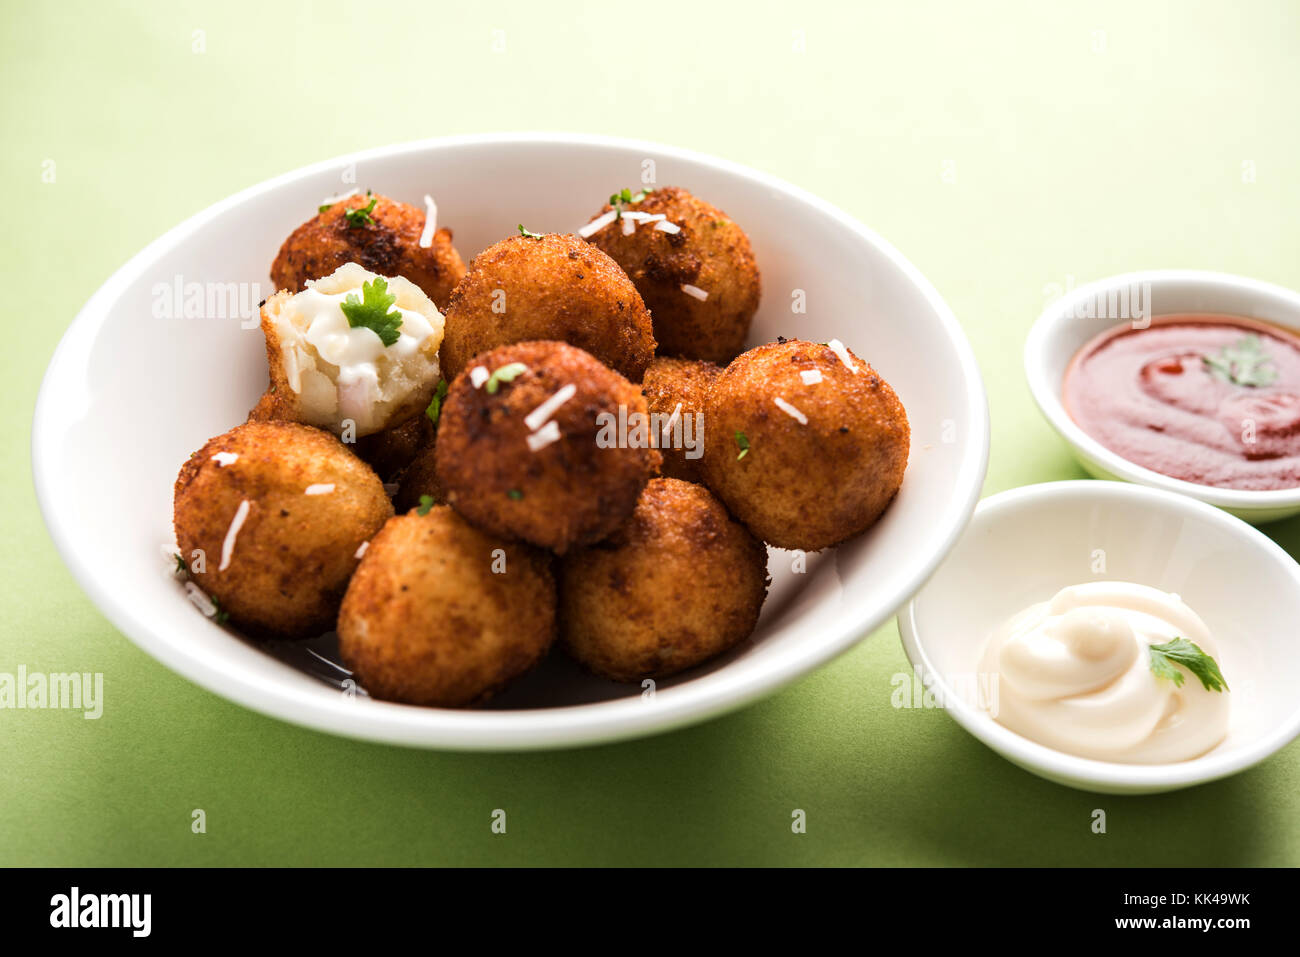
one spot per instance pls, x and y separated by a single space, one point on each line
625 197
360 216
1243 363
507 373
527 234
434 411
1180 651
742 443
371 311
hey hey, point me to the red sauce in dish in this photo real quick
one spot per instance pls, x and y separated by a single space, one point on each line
1213 400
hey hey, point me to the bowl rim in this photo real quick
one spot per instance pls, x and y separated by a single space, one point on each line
565 726
1058 764
1046 389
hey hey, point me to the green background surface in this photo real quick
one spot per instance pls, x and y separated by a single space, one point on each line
1086 140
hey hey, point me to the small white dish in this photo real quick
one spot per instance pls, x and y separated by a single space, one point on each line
1072 321
1025 544
129 395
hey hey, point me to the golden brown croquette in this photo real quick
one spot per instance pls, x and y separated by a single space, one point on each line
528 445
709 254
675 390
803 449
552 287
386 241
678 583
269 517
331 372
441 614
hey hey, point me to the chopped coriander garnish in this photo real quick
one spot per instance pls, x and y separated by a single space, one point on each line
617 200
528 235
515 494
1190 656
1243 363
180 564
324 206
507 373
371 311
743 444
221 617
435 404
426 503
361 215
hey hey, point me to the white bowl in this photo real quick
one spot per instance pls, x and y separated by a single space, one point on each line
1025 544
1060 332
128 397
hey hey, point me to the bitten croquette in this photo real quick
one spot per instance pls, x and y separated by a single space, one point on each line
678 583
805 448
528 448
385 240
444 615
549 287
268 519
709 255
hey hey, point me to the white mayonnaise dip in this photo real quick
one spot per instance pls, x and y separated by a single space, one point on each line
1074 673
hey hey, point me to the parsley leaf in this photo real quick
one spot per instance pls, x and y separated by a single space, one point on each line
361 215
528 235
372 310
625 196
1183 652
1243 363
743 444
435 404
426 503
507 373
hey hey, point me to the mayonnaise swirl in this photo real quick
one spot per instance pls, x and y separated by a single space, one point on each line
1074 673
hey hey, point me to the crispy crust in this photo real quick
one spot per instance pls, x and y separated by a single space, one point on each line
441 614
669 381
294 553
710 252
390 246
556 287
678 583
571 492
805 486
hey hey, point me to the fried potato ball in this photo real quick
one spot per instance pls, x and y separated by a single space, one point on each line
393 451
552 287
386 241
269 517
444 615
678 583
708 256
354 353
807 443
529 445
675 391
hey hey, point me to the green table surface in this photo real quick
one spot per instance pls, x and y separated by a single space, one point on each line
1008 149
